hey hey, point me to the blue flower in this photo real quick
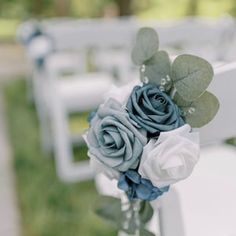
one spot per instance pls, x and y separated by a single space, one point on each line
113 139
138 188
153 110
91 115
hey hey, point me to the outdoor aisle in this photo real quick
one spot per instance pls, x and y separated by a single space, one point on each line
9 214
13 63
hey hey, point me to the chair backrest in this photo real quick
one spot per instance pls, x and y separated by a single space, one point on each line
91 33
204 203
224 87
60 64
103 33
178 35
199 36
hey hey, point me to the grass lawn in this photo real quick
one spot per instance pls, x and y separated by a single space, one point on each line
48 207
163 9
8 29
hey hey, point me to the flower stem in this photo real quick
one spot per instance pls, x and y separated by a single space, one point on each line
131 221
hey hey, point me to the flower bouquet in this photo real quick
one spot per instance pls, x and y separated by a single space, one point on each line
142 135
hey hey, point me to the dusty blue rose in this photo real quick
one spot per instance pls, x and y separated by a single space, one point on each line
113 139
153 110
137 187
91 116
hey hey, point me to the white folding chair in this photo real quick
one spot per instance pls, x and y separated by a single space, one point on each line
70 96
60 87
65 95
204 204
105 37
56 98
56 67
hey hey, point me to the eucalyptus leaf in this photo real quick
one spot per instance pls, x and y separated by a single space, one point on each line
203 109
156 68
147 44
191 75
180 101
109 208
145 232
146 212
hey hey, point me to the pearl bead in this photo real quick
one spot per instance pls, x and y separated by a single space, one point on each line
168 78
163 81
145 79
143 68
191 110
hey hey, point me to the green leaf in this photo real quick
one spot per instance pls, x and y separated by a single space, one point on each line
145 232
109 208
205 108
180 101
156 68
191 75
146 45
146 211
132 226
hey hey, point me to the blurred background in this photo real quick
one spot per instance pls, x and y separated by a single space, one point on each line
57 59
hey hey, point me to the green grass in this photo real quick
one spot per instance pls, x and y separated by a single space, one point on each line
163 9
8 29
48 207
78 122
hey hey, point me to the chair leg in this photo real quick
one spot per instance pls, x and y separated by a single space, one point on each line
43 116
67 170
45 131
170 214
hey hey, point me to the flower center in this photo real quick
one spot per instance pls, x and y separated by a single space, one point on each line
158 102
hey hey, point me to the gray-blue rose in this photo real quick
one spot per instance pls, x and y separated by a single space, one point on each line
153 110
113 139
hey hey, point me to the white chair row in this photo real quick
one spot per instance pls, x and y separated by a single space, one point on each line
56 97
194 35
203 204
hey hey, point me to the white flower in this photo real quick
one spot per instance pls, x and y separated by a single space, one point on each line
122 93
98 167
170 158
40 47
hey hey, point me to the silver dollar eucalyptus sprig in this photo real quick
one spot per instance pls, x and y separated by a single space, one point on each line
185 80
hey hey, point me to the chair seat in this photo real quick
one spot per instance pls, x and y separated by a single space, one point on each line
204 204
83 92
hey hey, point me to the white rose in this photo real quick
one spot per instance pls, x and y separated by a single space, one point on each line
170 158
122 93
98 167
40 47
